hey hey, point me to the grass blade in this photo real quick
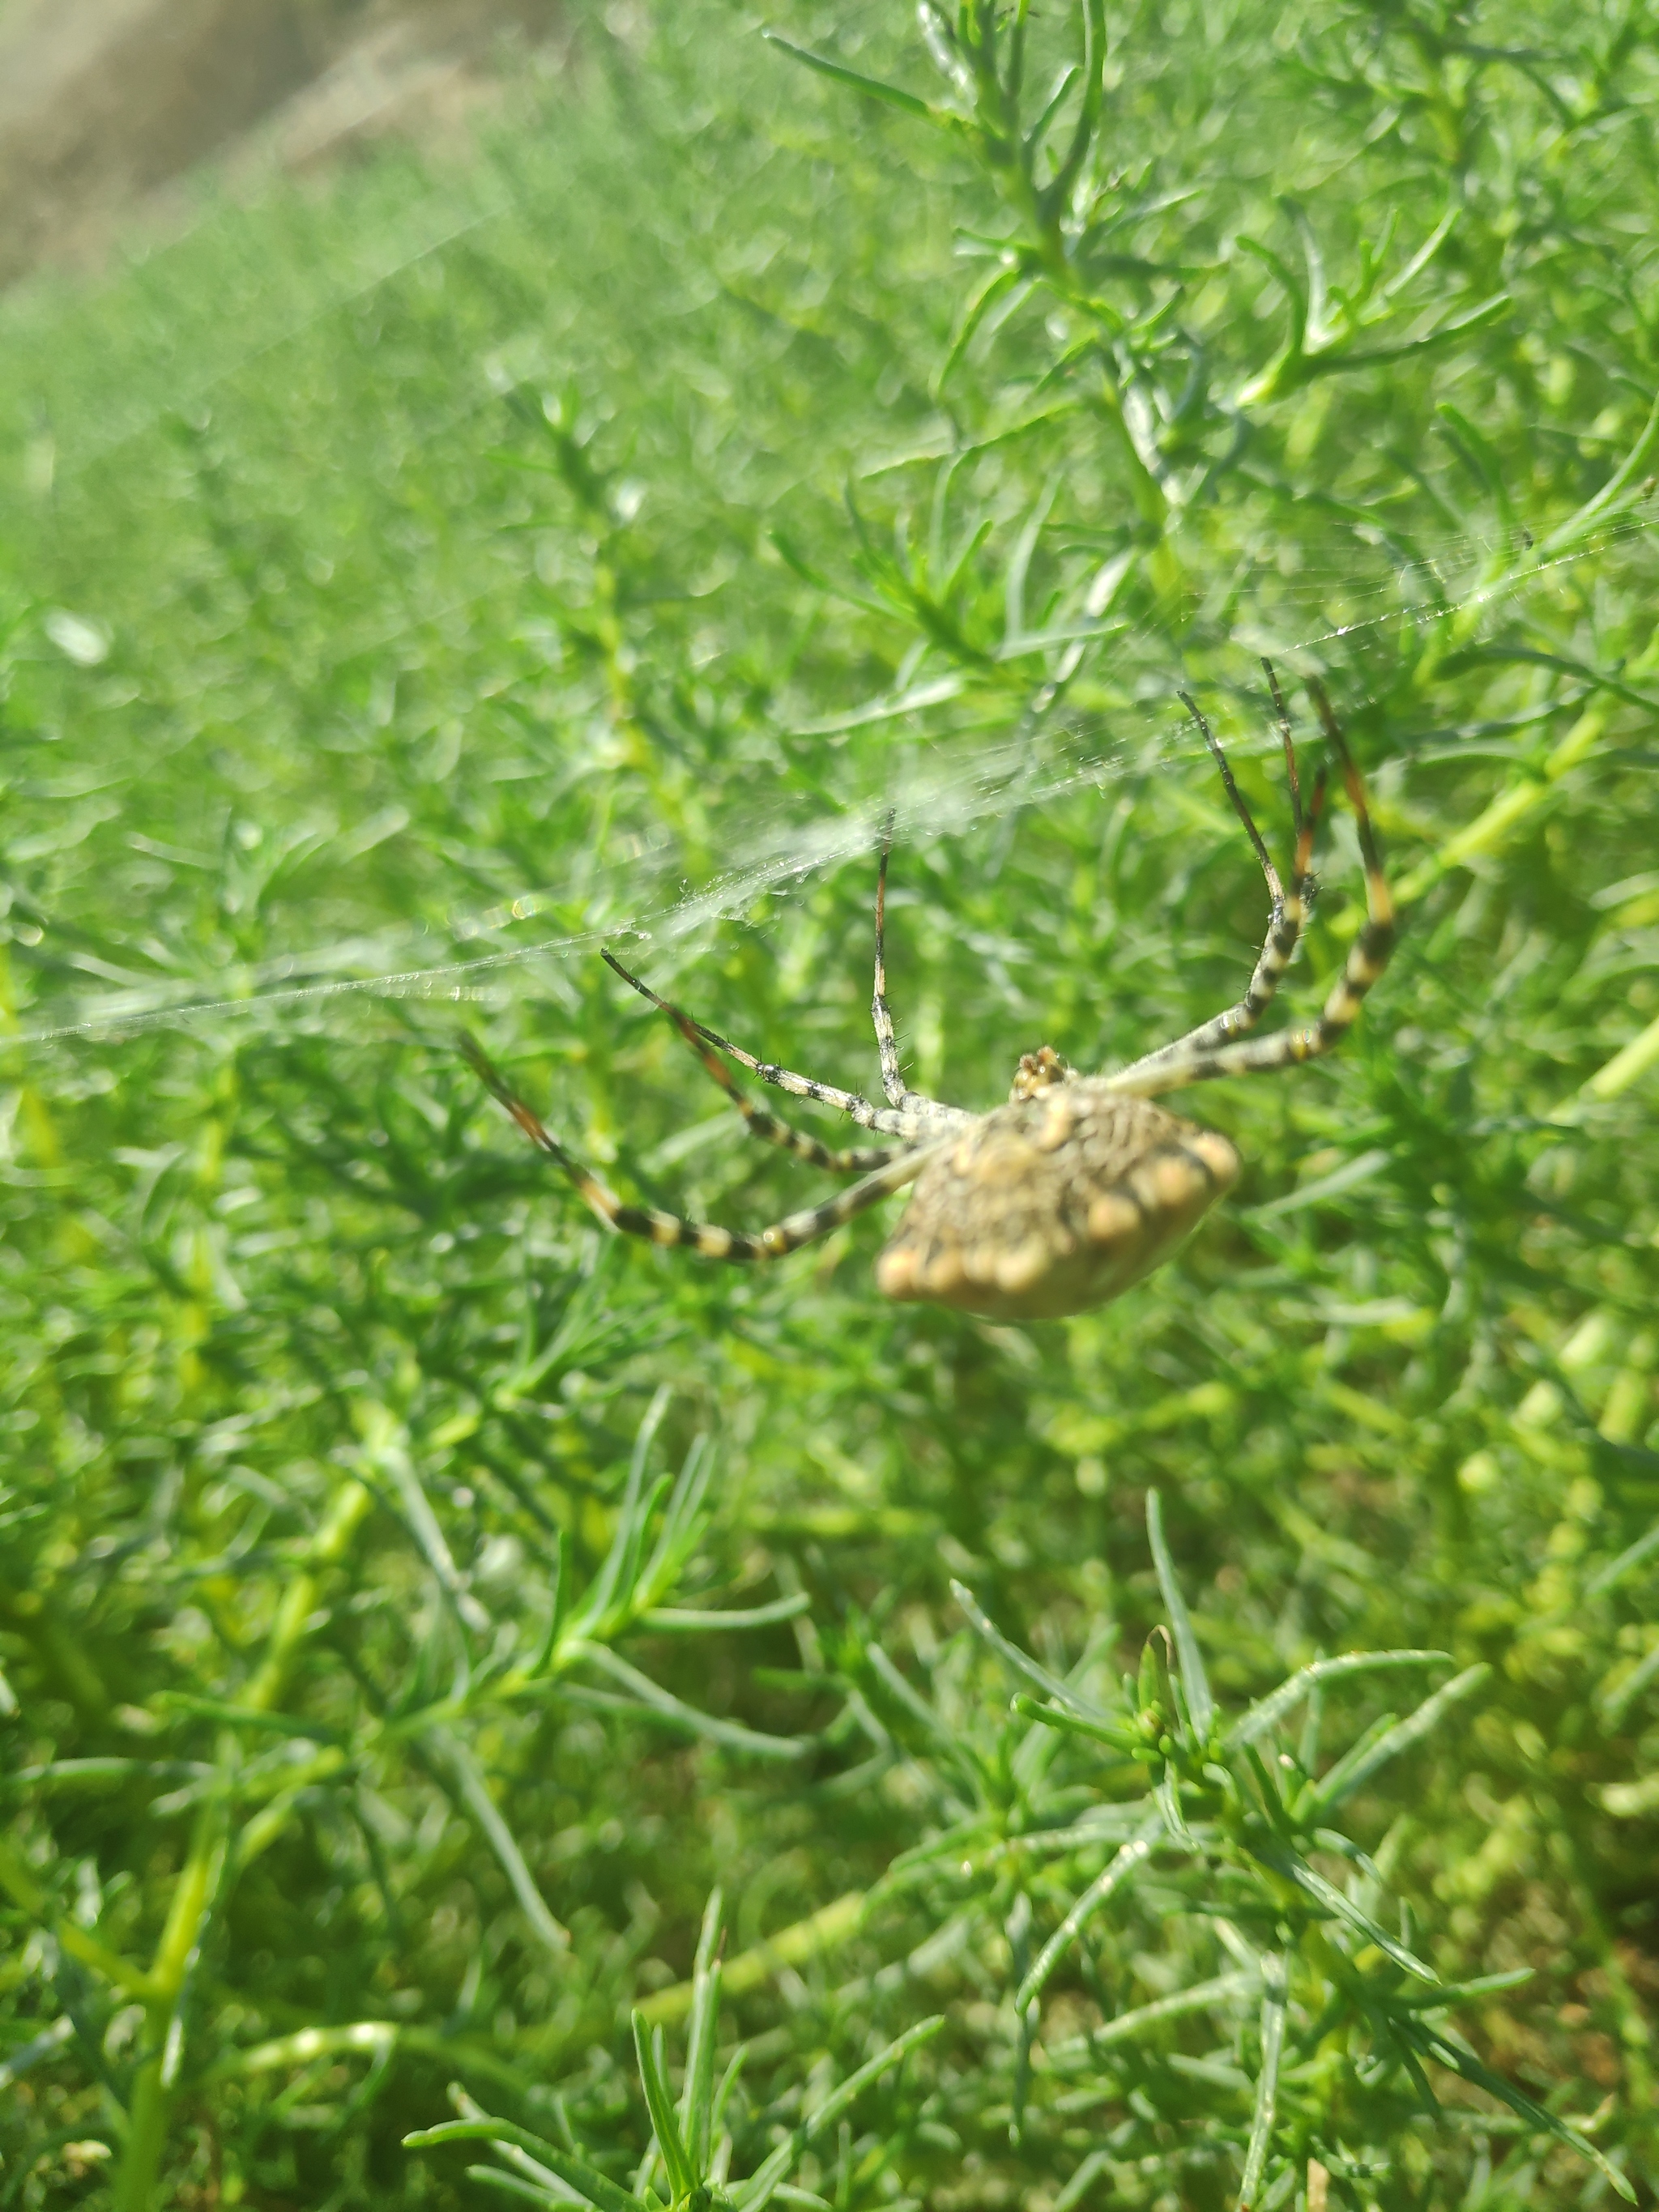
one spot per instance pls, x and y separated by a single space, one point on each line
656 1699
1126 2026
629 1534
907 102
697 2099
761 2186
513 2185
647 2051
1268 1711
679 1619
558 1599
1616 1570
1296 1869
1350 1774
1021 1661
1452 2051
1193 1680
1128 1861
475 1792
1266 2086
681 1525
598 2188
1117 1739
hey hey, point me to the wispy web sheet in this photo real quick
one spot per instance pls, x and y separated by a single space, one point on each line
933 782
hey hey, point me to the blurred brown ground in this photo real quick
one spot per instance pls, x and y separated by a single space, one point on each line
105 105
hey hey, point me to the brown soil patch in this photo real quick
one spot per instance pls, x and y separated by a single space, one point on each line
104 104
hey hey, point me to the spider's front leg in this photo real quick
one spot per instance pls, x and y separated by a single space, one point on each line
887 1120
906 1101
771 1128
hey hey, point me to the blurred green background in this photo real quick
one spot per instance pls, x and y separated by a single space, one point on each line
413 577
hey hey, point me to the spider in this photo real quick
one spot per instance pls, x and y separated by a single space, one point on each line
1080 1185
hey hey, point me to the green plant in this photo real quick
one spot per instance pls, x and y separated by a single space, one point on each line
426 1702
1335 2014
688 2142
664 513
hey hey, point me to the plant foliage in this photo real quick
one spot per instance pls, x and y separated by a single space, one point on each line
1201 1753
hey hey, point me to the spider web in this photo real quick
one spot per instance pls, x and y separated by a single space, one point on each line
932 785
1343 595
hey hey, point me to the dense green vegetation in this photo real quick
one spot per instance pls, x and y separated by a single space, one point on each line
413 1604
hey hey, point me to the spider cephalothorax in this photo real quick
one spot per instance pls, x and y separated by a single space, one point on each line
1039 1071
1080 1185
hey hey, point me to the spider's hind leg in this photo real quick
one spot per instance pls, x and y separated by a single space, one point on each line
707 1237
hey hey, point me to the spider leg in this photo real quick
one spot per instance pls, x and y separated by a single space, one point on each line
855 1160
1366 961
892 1080
887 1120
1290 909
704 1237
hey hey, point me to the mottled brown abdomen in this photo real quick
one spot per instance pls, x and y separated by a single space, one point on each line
1054 1204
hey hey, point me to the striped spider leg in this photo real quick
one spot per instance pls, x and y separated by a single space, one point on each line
855 1160
1291 909
892 1080
714 1241
1211 1050
883 1168
887 1120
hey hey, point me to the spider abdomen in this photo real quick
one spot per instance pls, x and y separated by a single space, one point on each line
1054 1204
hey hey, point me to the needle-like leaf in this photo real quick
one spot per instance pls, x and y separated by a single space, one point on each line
1353 1772
599 2188
665 2120
1201 1705
1267 2086
756 2193
697 2099
1119 1870
1267 1713
893 94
